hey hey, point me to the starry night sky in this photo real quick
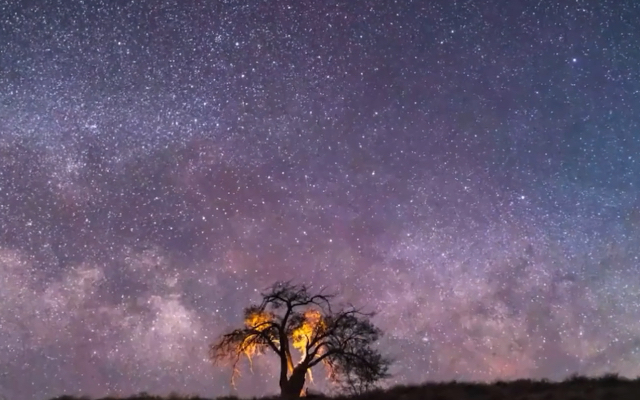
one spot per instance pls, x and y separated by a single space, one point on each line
470 169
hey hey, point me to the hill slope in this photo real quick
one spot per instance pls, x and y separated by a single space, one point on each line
609 387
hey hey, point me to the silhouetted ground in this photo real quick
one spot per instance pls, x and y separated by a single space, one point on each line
609 387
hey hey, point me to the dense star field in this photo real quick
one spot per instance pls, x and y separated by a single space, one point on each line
469 169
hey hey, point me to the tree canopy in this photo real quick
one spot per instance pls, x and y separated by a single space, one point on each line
291 316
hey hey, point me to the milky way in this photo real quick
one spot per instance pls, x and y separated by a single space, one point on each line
469 171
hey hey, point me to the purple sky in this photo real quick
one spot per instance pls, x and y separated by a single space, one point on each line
469 171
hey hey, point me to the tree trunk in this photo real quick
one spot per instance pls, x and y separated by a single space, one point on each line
292 388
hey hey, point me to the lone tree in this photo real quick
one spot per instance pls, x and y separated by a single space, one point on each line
290 316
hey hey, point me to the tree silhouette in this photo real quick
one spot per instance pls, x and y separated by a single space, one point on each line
290 316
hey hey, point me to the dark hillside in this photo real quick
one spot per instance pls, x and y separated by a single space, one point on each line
609 387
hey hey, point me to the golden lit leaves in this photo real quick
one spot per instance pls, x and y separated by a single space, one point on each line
258 319
258 323
310 326
254 339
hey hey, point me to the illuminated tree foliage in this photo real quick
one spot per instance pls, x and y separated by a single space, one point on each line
292 317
